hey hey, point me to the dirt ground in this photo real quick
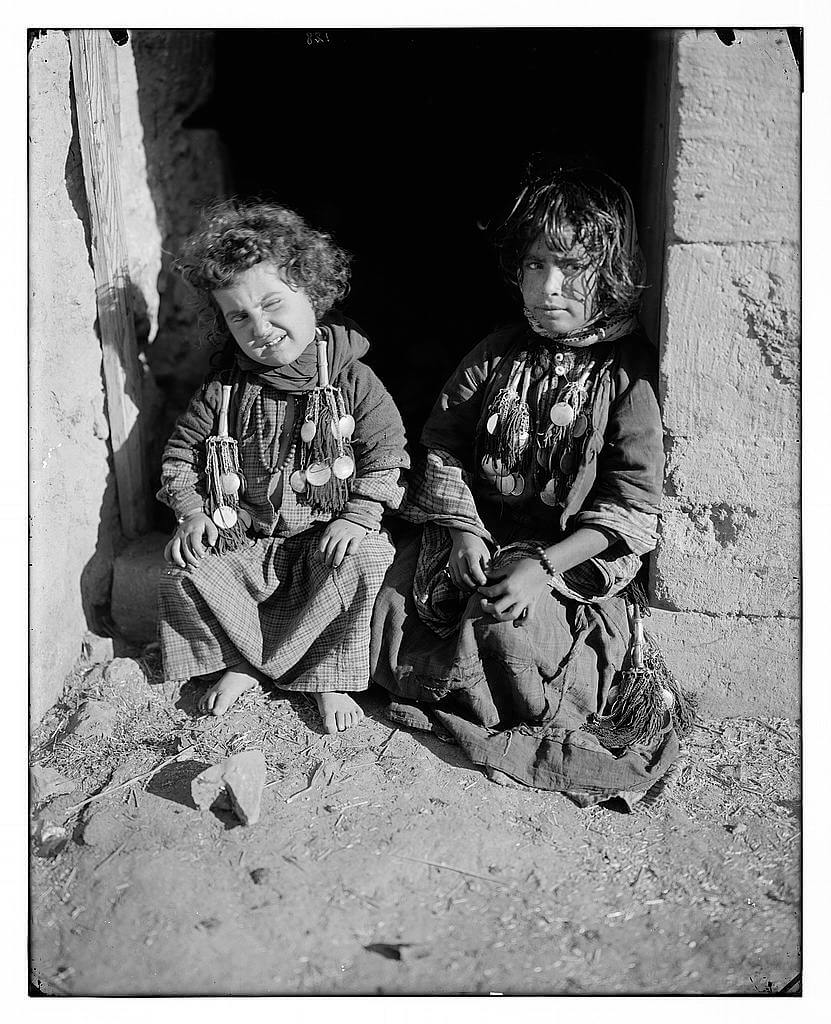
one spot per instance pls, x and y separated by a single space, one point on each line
384 862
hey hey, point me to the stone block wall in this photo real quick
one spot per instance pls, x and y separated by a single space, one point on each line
726 575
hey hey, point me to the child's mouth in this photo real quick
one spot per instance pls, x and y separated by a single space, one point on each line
271 342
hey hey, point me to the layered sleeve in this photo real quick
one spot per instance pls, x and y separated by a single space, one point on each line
451 425
626 497
379 447
183 459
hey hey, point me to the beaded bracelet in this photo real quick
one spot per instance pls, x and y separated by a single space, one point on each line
544 560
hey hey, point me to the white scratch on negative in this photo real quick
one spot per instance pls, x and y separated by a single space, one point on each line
50 453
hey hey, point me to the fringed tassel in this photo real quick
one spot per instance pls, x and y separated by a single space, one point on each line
224 482
507 437
326 460
647 700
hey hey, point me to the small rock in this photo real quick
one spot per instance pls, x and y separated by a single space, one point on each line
125 672
93 718
49 838
96 649
47 783
241 777
207 786
244 780
259 876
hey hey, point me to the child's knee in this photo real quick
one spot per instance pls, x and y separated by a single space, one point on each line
172 582
375 551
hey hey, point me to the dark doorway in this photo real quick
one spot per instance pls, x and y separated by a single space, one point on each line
402 143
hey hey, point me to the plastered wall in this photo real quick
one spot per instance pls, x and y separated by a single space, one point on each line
74 518
164 172
726 572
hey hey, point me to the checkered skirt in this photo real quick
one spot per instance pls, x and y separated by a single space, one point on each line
277 606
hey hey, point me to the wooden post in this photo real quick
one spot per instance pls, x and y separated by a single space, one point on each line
94 75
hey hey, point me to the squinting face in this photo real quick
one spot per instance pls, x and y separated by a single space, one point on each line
270 320
557 288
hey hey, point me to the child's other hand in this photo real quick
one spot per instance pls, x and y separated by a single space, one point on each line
186 545
469 560
339 539
513 589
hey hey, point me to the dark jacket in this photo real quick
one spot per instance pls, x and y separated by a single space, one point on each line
617 486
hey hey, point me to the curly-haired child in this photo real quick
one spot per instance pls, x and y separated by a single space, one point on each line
503 620
278 473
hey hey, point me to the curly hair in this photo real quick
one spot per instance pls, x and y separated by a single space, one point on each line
577 207
235 236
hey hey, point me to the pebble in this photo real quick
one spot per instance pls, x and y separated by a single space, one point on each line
259 876
93 718
49 838
124 672
47 783
240 776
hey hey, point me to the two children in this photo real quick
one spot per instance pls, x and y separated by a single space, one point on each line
278 473
501 620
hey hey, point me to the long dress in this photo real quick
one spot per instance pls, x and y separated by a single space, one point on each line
518 696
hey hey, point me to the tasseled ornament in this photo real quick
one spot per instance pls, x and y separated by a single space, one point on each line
560 441
507 434
647 698
326 462
224 482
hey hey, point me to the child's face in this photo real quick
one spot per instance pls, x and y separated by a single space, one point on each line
271 321
557 288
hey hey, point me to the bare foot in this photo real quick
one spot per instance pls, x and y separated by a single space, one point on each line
218 698
338 711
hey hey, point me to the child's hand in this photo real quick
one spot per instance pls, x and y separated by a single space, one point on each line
186 545
339 539
512 590
469 560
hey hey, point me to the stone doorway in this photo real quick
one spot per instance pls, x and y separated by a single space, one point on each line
401 142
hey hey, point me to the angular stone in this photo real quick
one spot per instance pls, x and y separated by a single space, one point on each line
241 777
758 472
739 666
93 718
96 649
207 786
728 559
737 119
245 778
730 353
48 837
47 783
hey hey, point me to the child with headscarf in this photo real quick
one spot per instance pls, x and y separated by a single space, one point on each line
502 621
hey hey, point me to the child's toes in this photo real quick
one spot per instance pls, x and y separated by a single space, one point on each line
220 704
206 704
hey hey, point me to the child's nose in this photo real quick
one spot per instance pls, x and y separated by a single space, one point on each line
553 283
258 324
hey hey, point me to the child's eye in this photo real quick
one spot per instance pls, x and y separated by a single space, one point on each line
533 264
271 304
237 317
